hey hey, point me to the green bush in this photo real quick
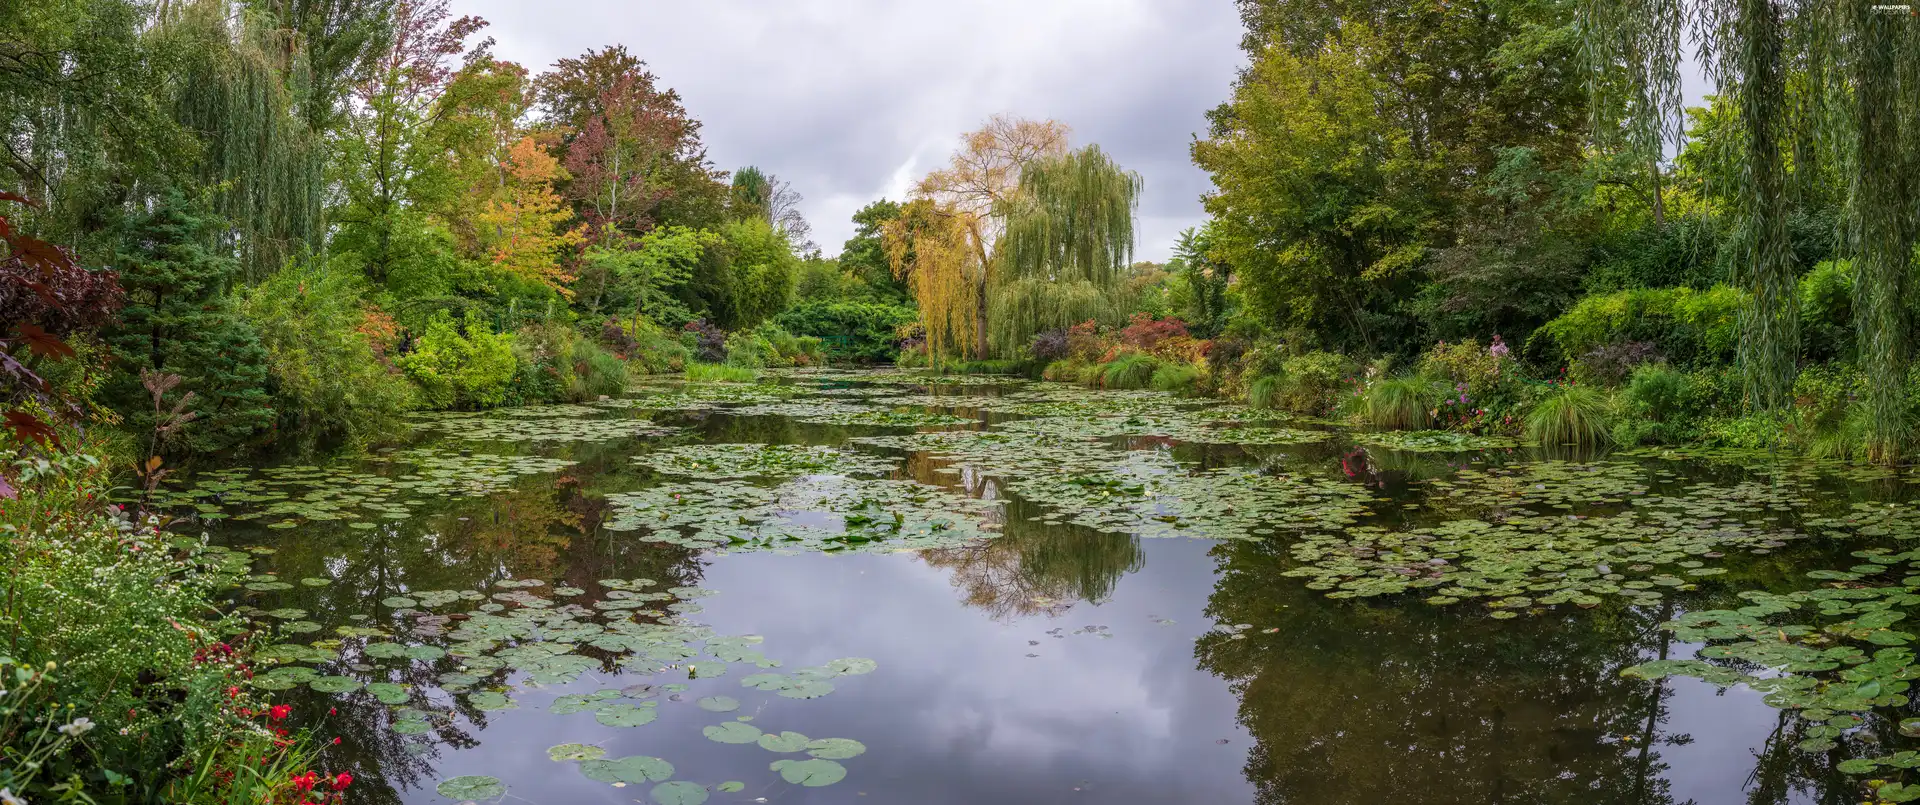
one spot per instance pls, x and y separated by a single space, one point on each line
1656 407
1689 327
117 677
1399 404
1826 311
456 369
1131 371
1179 378
745 350
1310 383
596 372
1569 415
719 373
856 331
1065 370
654 348
326 380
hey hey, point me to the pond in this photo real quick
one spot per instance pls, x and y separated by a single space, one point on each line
876 587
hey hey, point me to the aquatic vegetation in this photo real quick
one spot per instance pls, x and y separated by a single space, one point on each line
719 462
1434 441
544 426
309 493
720 373
821 513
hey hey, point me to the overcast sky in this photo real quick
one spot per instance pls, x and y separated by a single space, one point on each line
851 100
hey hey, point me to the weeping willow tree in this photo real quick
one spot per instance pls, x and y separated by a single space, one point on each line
928 249
1634 46
1881 62
1066 247
239 86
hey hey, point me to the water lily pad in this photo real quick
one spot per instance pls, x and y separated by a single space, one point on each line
719 704
631 770
412 726
568 752
335 684
835 748
812 773
472 788
731 787
623 714
783 743
732 732
679 792
388 692
490 700
851 666
806 689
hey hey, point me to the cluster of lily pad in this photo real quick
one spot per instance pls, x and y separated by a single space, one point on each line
1550 533
720 462
559 423
513 641
1838 656
297 494
819 513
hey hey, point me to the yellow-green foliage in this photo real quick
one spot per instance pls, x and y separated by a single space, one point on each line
1132 371
1309 383
456 369
1678 320
327 383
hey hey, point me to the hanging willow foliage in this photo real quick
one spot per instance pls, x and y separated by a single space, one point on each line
238 89
927 247
1067 244
1839 82
1882 54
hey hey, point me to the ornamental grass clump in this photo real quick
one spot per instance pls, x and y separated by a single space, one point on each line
1569 415
1400 404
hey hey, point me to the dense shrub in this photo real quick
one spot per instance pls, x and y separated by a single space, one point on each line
120 685
871 331
1049 346
720 373
1689 327
1655 407
462 366
1611 364
647 344
1310 384
1826 311
327 381
707 343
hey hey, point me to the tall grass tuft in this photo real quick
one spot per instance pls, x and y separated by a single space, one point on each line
1178 378
1569 415
1400 404
1266 392
1129 372
720 373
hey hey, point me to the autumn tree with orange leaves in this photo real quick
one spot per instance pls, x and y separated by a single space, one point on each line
524 225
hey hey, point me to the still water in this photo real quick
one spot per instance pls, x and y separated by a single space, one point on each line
1027 654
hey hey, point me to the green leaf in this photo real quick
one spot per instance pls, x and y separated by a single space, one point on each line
835 748
784 742
335 684
569 752
732 732
473 788
623 714
719 704
388 692
679 792
731 787
812 773
852 666
631 770
489 700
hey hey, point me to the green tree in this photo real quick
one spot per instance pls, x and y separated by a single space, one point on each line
762 269
647 275
1206 279
180 320
864 256
1068 242
1320 203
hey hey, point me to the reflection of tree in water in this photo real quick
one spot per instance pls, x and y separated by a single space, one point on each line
1402 703
541 528
1035 567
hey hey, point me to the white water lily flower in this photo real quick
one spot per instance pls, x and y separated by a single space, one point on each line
77 728
7 798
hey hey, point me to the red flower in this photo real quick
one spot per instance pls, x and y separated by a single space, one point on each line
280 711
333 711
341 781
232 692
336 740
305 782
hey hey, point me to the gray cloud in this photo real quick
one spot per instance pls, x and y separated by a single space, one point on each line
850 100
